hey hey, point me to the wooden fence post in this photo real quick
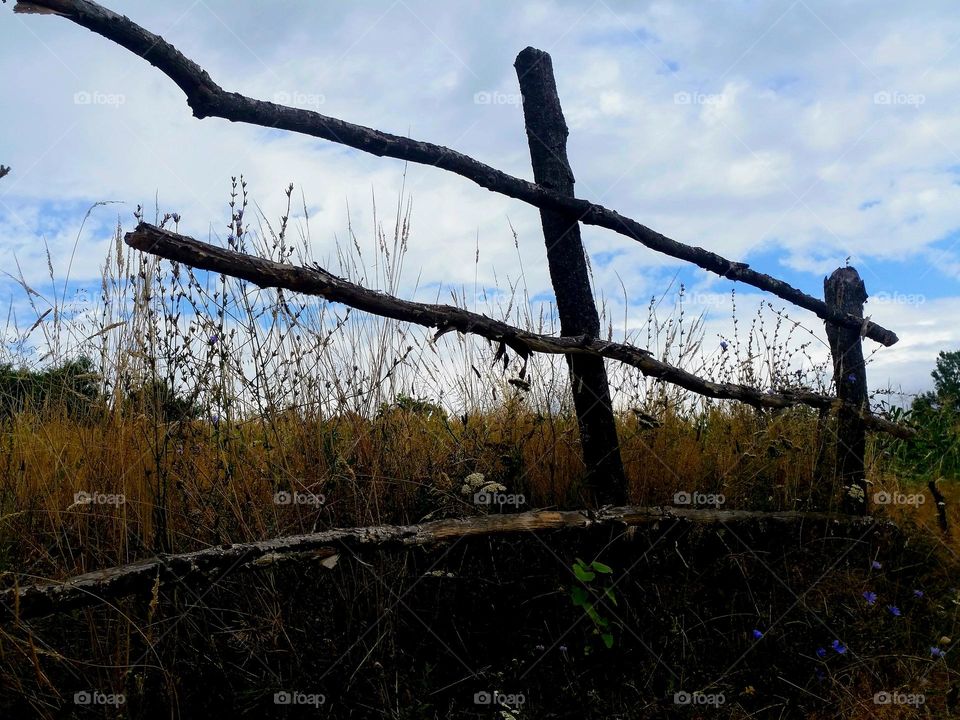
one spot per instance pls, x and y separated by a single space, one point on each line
844 292
547 137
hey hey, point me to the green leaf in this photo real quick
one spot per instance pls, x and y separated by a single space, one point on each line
610 596
607 640
601 568
578 595
583 575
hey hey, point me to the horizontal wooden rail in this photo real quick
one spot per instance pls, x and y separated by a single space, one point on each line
318 281
207 99
209 565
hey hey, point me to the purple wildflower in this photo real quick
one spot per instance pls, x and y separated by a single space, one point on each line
214 338
894 610
870 597
936 652
839 647
757 634
821 653
876 565
724 345
918 593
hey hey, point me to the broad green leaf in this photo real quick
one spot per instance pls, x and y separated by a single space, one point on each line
601 568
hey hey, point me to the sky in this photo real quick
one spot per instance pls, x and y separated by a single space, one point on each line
795 136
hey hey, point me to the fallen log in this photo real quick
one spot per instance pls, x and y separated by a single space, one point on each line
207 99
208 566
318 281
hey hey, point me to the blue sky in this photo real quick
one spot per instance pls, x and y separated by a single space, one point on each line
790 135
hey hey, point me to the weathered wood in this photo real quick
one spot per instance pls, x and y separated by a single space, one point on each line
206 567
207 99
941 506
317 281
547 132
845 292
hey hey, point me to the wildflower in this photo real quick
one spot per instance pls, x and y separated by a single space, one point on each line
821 653
757 634
839 647
851 378
894 610
918 593
819 675
870 597
214 338
936 652
724 345
876 565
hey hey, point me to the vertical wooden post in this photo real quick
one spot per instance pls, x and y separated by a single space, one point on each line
844 292
547 137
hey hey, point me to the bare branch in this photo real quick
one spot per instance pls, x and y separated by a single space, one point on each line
317 281
205 567
207 99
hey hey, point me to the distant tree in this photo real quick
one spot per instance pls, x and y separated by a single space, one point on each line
159 399
73 387
936 449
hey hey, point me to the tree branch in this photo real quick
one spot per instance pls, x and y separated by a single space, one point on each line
207 99
207 566
317 281
4 171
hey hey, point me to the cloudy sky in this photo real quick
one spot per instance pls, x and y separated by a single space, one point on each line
790 135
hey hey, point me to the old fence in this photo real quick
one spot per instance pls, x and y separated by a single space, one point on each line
561 212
